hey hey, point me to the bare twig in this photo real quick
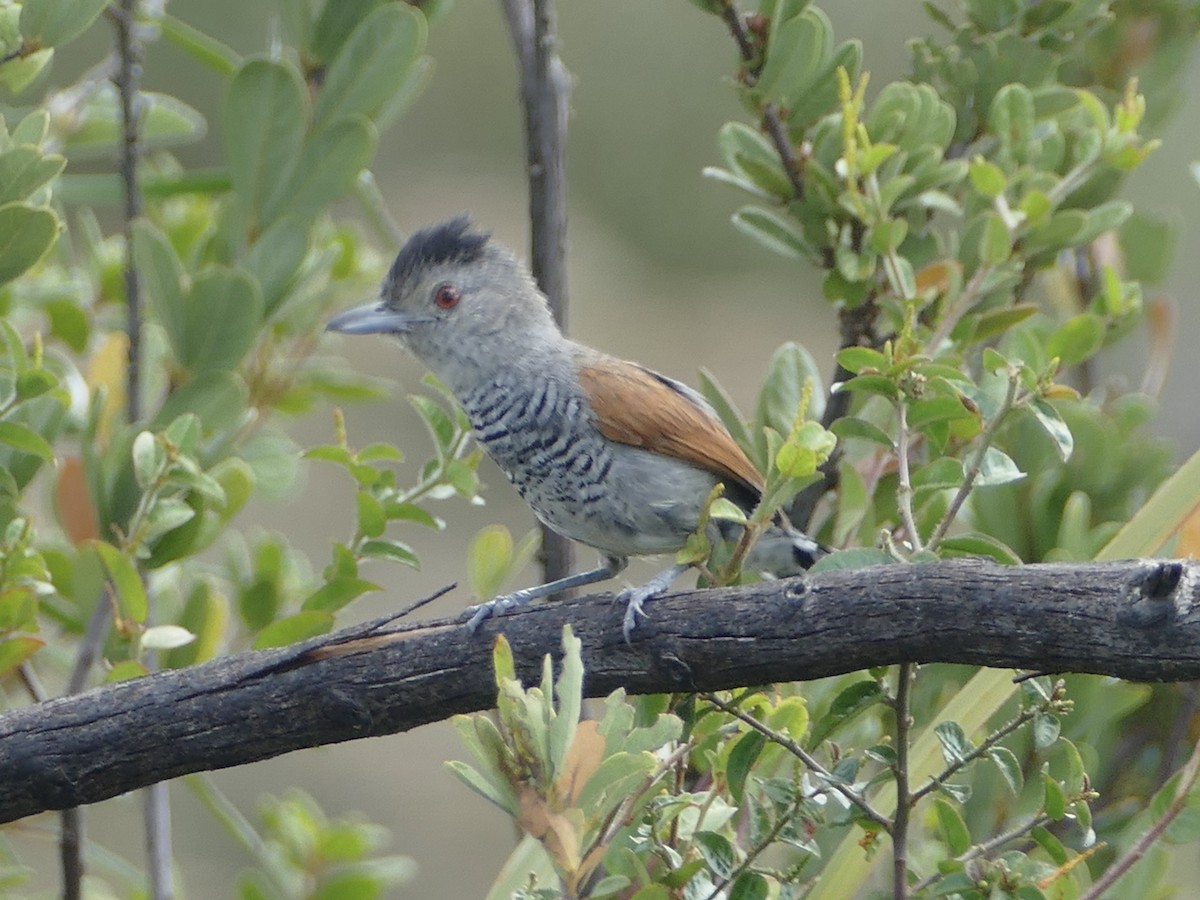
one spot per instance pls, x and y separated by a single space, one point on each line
129 54
1188 778
772 119
985 848
544 88
985 441
904 489
904 804
987 744
805 757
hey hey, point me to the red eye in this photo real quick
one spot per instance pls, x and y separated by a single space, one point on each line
446 296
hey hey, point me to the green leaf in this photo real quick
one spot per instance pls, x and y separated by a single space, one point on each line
797 52
166 637
1046 729
335 24
275 260
717 851
1077 339
997 468
568 690
995 242
859 696
266 113
1047 416
489 561
376 58
855 558
26 234
1053 846
166 122
1053 798
223 312
954 742
750 885
328 168
859 359
337 593
298 627
162 276
851 427
23 438
371 520
741 761
50 23
791 366
1009 766
17 650
987 178
726 409
217 398
131 591
775 233
24 169
393 550
952 827
978 544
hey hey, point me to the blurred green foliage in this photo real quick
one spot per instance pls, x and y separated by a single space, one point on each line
975 245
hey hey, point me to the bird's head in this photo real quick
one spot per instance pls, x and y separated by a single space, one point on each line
458 300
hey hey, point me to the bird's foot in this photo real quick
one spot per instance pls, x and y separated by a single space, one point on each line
634 597
495 607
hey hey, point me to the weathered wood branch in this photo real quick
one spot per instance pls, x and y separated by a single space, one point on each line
1138 620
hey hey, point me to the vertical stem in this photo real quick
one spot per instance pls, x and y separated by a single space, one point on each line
129 53
156 805
903 800
544 88
904 489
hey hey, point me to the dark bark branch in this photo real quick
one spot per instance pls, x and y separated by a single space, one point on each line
1138 620
544 88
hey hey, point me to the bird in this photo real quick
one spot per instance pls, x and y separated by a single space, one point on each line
606 452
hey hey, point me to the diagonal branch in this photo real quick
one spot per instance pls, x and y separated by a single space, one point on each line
1138 620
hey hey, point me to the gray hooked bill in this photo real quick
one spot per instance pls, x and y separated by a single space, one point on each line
373 318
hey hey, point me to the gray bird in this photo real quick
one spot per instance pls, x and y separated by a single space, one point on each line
606 452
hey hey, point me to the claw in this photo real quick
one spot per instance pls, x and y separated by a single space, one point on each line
497 607
634 598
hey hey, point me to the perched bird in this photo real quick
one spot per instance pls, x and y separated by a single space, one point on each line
606 452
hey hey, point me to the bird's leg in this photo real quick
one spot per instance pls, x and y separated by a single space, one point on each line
635 596
502 604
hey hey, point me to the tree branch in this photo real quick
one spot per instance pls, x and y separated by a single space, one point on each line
545 85
1138 620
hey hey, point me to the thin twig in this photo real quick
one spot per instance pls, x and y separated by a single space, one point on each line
990 741
904 488
985 848
757 850
772 119
967 299
129 53
805 757
985 441
156 801
904 805
1187 780
32 683
544 88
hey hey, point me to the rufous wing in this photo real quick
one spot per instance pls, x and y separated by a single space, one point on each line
639 407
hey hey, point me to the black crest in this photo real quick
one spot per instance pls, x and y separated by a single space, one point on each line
451 241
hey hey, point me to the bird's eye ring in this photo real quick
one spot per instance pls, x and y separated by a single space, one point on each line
446 296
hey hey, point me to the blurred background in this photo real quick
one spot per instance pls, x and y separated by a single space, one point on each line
657 274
